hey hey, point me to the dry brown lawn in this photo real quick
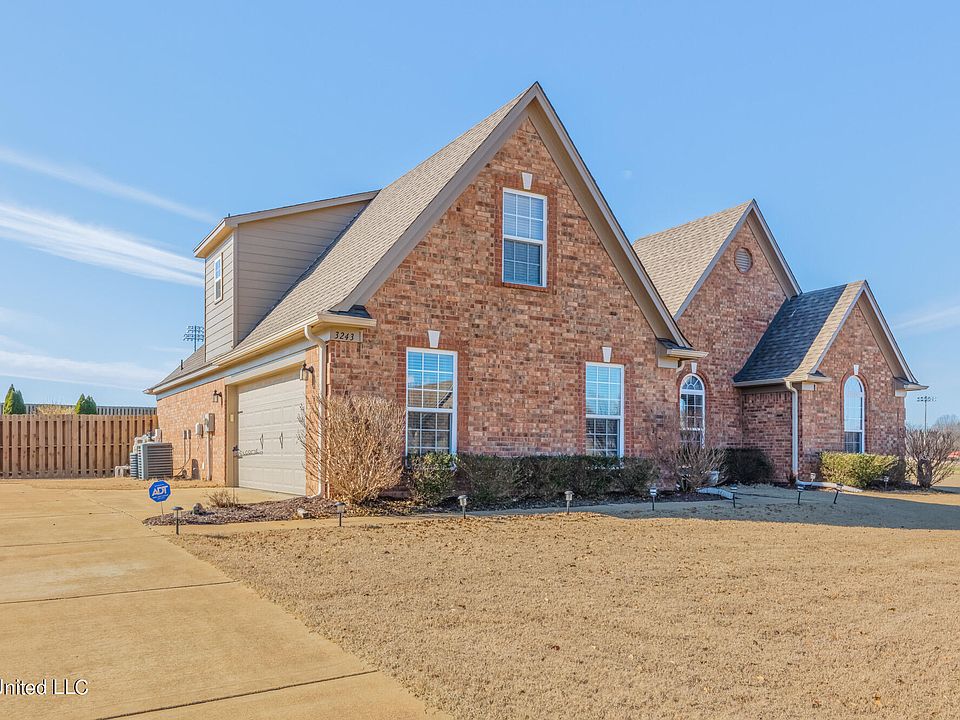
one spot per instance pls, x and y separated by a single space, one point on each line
590 616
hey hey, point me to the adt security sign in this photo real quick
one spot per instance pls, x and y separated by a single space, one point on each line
159 491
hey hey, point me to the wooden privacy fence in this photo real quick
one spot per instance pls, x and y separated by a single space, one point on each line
68 445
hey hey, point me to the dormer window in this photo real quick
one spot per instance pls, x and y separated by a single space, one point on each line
218 278
524 238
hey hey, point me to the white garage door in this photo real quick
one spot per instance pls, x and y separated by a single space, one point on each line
270 457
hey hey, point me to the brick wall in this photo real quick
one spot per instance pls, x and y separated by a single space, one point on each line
727 317
183 411
821 410
521 351
767 424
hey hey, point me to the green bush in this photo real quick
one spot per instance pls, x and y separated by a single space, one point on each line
636 475
85 405
856 469
747 466
431 477
13 403
487 479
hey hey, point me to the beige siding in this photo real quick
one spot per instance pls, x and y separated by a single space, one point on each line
272 254
219 321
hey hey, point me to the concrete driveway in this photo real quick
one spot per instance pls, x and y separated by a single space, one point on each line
87 592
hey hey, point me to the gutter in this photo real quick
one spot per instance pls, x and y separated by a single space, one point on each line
322 318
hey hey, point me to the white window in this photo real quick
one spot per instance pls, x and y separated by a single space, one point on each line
853 415
604 409
218 278
431 401
524 238
693 411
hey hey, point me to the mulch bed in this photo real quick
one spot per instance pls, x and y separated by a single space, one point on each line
314 507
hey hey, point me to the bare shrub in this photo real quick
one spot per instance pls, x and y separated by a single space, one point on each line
52 409
687 464
361 448
929 450
223 498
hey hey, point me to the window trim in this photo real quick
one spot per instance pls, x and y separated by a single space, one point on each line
530 241
621 449
702 393
451 411
863 415
218 281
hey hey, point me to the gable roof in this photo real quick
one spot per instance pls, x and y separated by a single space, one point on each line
681 258
399 215
194 362
803 330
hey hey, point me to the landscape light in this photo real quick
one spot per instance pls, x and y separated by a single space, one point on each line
568 494
653 497
176 510
733 491
886 482
463 505
800 489
339 507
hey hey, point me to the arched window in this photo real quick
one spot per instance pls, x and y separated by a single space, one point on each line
693 411
853 415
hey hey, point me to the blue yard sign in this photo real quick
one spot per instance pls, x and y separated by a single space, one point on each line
159 491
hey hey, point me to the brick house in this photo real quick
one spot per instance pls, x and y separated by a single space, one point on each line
793 373
491 291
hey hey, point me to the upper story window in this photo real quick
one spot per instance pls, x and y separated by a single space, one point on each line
604 409
524 238
693 411
853 396
218 278
431 401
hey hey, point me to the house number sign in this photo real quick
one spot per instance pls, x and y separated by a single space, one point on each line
348 335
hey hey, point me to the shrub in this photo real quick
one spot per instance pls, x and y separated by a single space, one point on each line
432 477
89 406
929 450
486 478
747 466
636 475
855 469
363 441
223 498
13 403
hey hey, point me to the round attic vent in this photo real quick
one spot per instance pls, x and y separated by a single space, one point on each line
744 260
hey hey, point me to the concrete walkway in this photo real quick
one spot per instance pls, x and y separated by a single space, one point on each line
87 592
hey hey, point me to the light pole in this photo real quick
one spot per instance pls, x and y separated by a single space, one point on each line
926 400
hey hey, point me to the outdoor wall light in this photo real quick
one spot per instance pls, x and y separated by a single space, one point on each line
813 477
217 397
339 507
653 497
306 372
568 494
463 505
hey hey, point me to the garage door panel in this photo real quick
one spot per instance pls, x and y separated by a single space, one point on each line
267 434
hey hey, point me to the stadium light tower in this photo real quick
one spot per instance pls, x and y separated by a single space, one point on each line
194 333
926 400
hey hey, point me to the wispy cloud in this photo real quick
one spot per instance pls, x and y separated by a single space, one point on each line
94 245
930 320
91 180
123 375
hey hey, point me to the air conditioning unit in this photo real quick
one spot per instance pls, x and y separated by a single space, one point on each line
156 460
135 463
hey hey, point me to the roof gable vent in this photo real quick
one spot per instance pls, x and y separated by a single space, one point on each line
744 260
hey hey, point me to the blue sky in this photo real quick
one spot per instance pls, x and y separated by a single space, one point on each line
127 130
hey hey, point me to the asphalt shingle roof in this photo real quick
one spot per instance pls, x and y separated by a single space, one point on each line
194 362
373 233
799 334
676 258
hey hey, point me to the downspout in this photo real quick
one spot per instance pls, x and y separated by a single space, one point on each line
319 376
795 432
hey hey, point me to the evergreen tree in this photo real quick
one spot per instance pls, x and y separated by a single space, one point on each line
13 403
78 408
89 406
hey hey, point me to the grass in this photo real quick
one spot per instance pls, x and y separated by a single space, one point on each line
783 612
